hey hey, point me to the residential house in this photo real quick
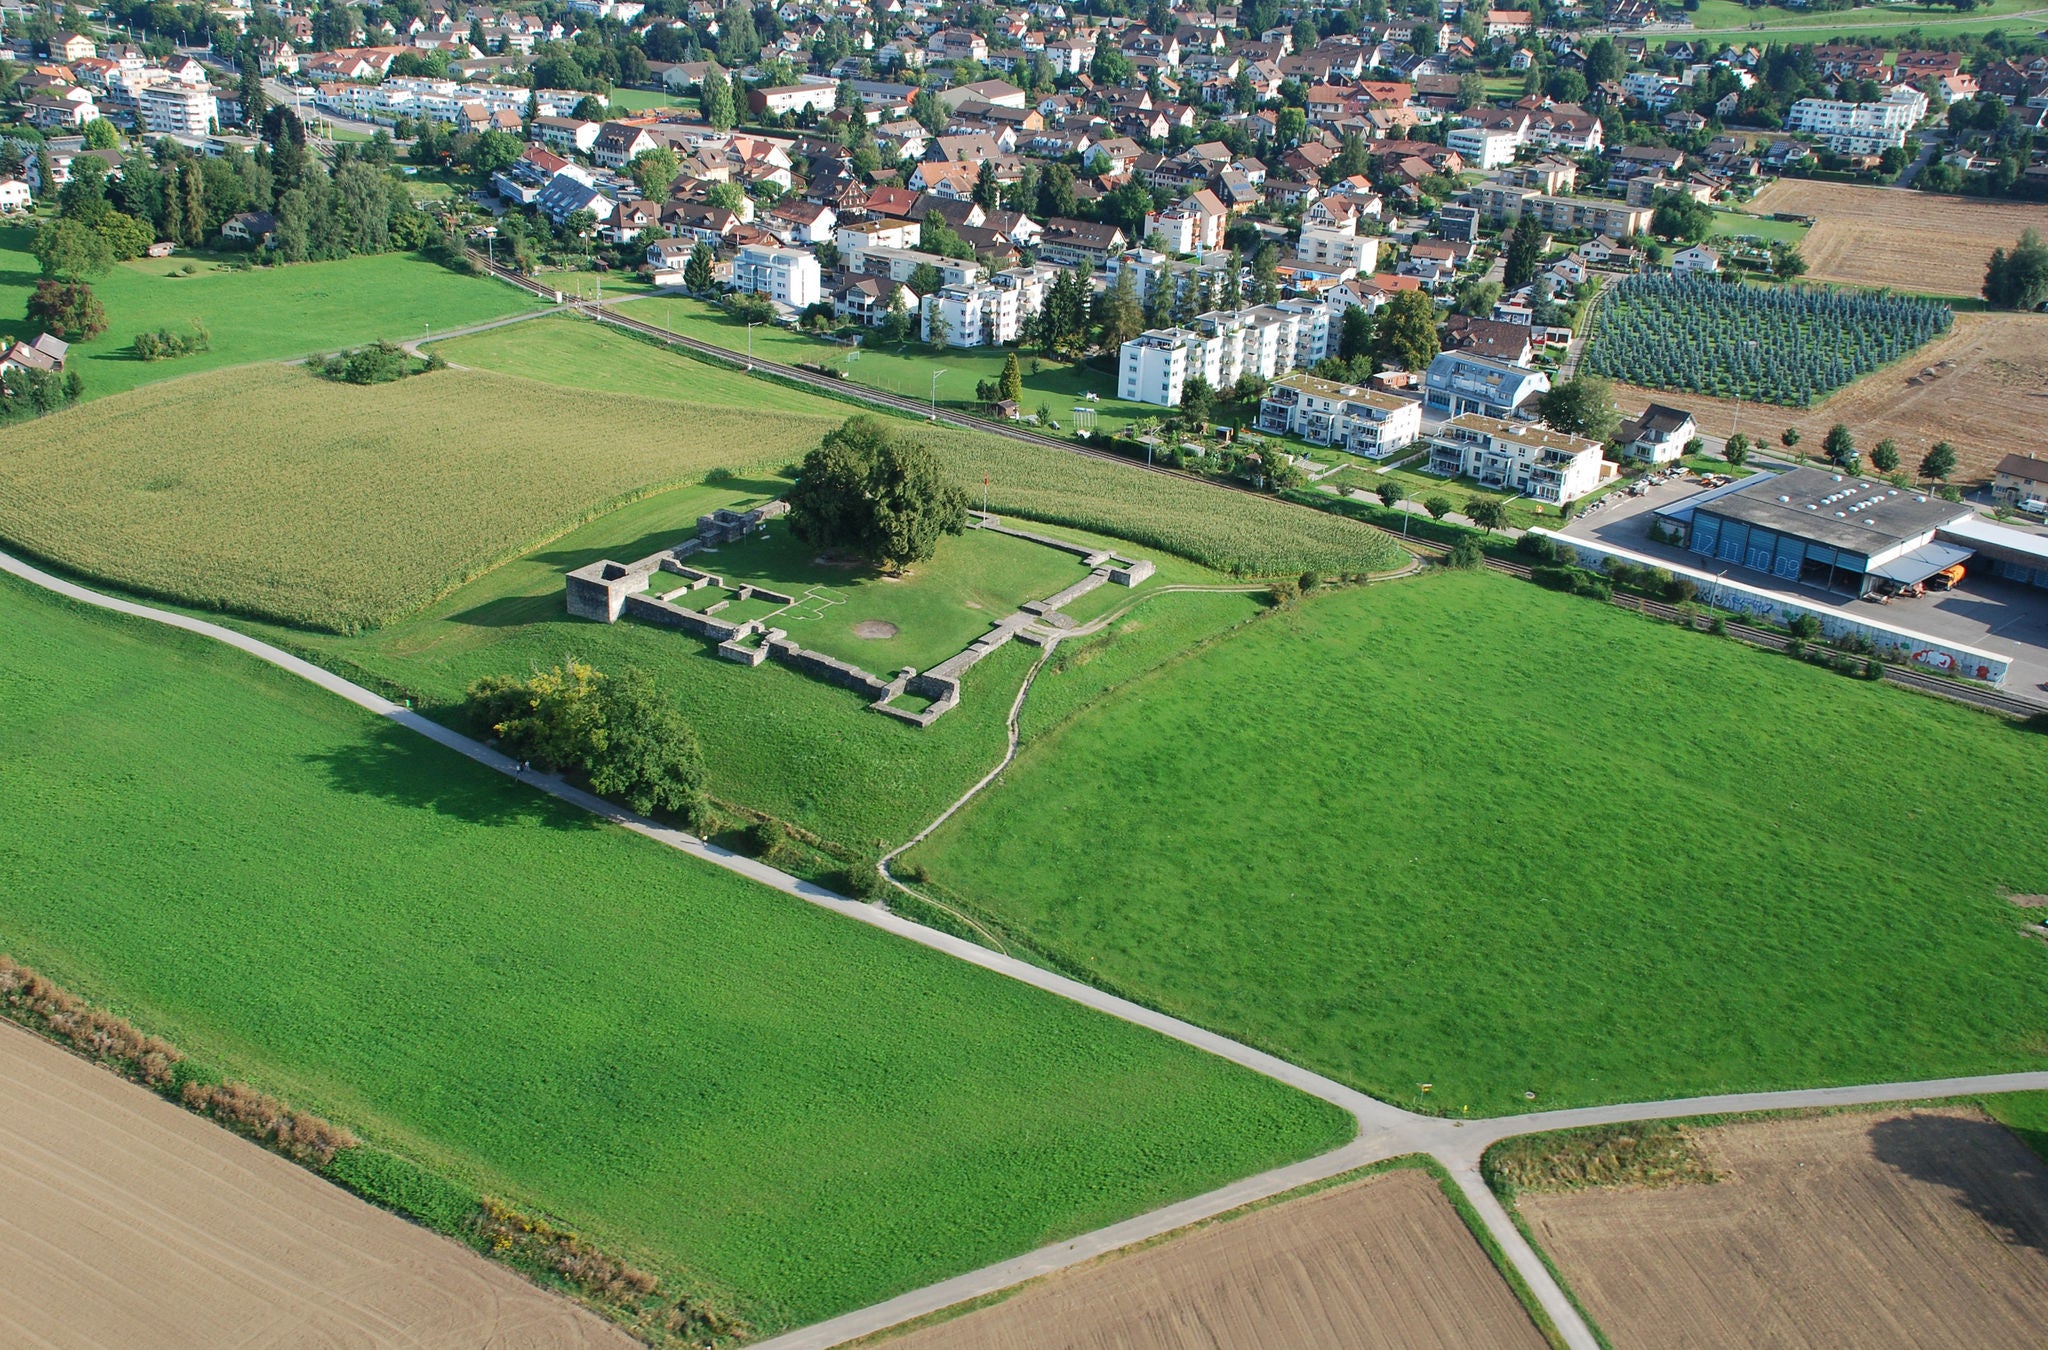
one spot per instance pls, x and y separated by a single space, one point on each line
1460 382
789 277
869 301
1658 436
1077 241
2019 479
15 196
46 353
250 227
1496 341
1698 260
619 143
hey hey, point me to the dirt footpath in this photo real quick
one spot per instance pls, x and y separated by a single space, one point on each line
1899 1228
1382 1263
128 1222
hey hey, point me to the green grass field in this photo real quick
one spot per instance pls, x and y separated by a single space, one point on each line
1465 832
1737 224
639 100
272 492
1231 531
1723 17
937 607
264 314
1058 386
775 740
721 1082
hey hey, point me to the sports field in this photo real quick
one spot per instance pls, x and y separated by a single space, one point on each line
271 492
798 1113
265 314
1462 832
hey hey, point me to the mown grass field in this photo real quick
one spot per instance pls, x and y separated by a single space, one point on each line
266 314
271 492
1463 832
795 1111
774 740
1780 24
908 370
1232 531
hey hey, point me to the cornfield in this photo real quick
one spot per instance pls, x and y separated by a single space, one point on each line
268 492
1789 345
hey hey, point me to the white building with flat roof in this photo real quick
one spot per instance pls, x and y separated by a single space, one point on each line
1369 422
1484 148
177 109
788 276
1222 346
1860 128
1536 461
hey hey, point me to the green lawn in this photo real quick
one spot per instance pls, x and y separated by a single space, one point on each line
638 100
263 314
775 740
1736 224
937 608
1058 386
1876 21
1466 832
730 1086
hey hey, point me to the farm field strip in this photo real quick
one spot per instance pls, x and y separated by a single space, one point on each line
1911 1226
1899 238
1389 1132
777 1242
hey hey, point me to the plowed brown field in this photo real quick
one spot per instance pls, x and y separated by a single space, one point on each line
1897 1228
1983 388
128 1222
1385 1262
1909 241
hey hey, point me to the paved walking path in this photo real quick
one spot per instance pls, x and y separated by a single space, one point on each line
1385 1131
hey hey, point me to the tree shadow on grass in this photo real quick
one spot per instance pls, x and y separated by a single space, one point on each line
1981 1162
405 769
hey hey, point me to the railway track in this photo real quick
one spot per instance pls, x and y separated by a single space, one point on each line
1990 699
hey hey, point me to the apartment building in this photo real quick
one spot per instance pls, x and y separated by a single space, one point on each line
788 276
1533 460
1860 128
1221 346
1484 148
177 109
1616 220
1368 422
1328 248
1461 382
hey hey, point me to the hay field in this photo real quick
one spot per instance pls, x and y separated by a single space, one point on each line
1385 1262
270 492
1900 1227
1983 388
1900 239
131 1222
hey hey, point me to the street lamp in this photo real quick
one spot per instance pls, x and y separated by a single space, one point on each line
935 394
750 340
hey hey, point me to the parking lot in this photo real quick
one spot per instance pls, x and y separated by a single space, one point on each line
1983 612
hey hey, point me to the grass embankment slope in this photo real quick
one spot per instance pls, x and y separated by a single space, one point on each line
800 1111
272 492
1466 832
1194 520
265 314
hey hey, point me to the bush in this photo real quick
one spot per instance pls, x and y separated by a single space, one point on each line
296 1134
1284 591
1805 627
1538 547
1555 578
163 344
1681 591
1465 554
864 881
1718 626
378 364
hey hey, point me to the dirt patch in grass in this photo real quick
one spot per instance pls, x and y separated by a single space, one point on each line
2029 901
1911 241
1382 1263
1650 1155
1983 388
875 629
1900 1227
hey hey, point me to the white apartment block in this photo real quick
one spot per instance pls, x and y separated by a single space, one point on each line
1336 250
977 315
1365 422
1533 460
856 239
1484 148
788 276
177 110
1221 346
1860 128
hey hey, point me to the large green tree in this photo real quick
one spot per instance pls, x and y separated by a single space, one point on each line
1582 406
2019 279
1406 333
879 496
1525 250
